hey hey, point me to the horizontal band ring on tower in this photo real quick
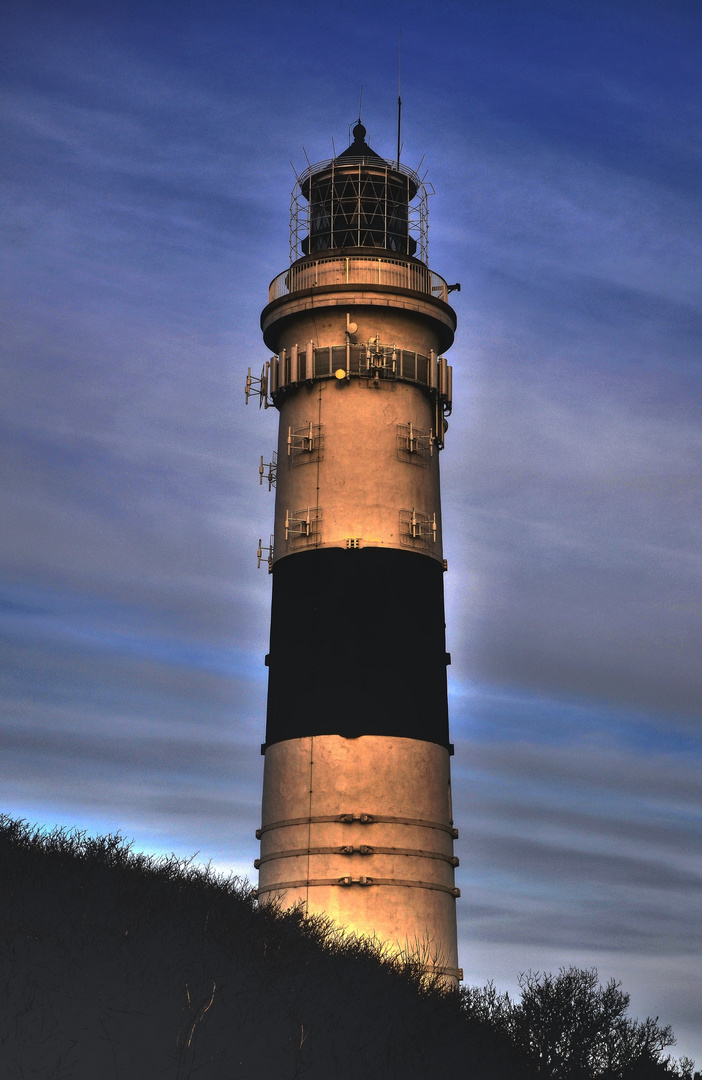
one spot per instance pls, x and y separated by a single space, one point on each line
344 882
358 819
303 363
364 849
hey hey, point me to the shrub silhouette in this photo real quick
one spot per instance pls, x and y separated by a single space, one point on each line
571 1028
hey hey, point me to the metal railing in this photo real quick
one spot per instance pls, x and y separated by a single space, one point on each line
358 269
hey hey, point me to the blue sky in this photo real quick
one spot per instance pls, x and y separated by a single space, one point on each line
145 185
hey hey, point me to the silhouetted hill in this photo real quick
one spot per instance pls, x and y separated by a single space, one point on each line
115 964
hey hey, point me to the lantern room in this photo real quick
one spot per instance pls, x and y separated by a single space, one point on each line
359 200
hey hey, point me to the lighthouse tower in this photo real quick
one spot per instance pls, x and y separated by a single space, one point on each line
357 820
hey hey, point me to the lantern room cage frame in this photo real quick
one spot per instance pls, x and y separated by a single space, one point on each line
343 206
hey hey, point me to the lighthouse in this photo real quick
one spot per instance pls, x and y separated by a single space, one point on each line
356 819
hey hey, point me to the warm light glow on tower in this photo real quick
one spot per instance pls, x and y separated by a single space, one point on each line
357 818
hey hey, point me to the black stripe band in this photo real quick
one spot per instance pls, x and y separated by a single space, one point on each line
357 646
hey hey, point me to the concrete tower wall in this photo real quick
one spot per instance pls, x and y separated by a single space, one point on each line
341 812
361 474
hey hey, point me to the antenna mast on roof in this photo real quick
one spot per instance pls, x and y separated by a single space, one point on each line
399 98
360 107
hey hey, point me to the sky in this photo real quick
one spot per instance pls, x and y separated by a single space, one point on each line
149 156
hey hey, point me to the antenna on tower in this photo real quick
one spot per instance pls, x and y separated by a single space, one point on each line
399 96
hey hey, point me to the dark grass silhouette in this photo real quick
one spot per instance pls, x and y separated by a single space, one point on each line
116 964
120 965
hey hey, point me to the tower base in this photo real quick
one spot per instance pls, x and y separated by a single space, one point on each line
361 830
